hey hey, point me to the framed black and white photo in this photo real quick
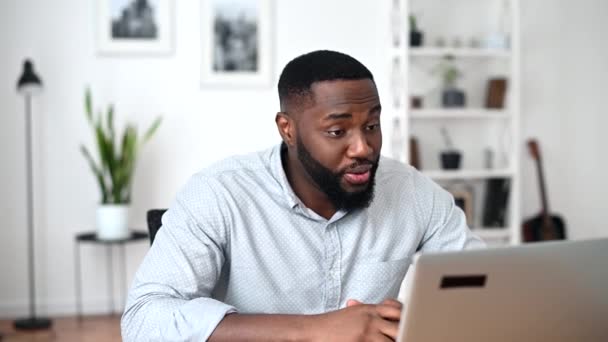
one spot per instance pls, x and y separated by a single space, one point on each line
134 26
236 42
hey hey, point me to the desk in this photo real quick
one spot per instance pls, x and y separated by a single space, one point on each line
91 237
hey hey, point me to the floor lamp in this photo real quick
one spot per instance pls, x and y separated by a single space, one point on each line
29 84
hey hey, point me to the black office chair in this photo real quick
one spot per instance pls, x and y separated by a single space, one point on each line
154 222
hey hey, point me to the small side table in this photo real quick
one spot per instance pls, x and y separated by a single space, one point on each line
91 237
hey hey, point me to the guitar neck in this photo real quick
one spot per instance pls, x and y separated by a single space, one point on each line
548 228
543 191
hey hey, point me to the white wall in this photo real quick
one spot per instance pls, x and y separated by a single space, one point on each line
200 125
564 64
564 75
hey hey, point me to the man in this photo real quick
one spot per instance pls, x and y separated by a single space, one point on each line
289 243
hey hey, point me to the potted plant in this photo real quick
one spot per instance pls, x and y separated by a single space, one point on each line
416 36
117 155
451 96
450 157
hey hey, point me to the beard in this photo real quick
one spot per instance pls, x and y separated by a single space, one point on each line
330 182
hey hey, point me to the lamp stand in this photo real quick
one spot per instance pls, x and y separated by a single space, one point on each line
32 322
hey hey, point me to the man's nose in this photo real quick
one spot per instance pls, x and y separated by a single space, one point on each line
359 147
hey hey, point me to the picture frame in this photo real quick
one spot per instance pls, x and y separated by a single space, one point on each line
464 200
236 41
134 27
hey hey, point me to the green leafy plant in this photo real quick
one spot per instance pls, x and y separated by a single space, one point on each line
114 171
413 24
448 72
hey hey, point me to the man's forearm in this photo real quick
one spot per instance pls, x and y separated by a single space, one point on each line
356 322
259 327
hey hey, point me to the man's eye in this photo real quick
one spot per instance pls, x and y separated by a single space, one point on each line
373 127
336 132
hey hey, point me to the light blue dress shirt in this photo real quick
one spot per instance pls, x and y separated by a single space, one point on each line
238 239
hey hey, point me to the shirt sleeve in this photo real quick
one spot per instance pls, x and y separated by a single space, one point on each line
170 298
447 229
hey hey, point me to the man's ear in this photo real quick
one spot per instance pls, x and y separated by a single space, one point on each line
286 127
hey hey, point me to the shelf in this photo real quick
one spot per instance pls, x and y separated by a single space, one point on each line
480 113
468 174
492 233
474 126
458 52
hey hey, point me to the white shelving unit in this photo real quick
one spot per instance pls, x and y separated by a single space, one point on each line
493 234
458 52
470 113
477 125
469 174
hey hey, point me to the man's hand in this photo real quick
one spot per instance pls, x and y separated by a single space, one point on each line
356 322
361 322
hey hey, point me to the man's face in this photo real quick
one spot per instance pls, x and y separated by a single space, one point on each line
339 140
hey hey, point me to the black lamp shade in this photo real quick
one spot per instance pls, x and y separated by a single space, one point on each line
28 78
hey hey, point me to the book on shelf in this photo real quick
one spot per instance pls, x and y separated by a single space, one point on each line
496 202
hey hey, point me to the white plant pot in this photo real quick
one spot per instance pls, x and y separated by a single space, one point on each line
113 221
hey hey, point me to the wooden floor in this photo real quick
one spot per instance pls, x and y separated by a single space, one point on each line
67 329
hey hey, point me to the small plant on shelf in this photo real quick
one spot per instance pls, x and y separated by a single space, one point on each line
451 96
416 36
450 157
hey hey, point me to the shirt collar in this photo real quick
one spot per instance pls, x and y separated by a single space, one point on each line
276 166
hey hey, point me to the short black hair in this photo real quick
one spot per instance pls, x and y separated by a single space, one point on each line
323 65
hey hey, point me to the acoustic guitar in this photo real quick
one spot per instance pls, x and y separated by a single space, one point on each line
543 226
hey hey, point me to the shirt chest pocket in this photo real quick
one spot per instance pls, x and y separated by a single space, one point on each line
373 282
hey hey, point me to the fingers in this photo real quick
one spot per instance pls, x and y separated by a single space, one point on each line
389 309
389 328
382 338
370 322
392 302
389 312
352 302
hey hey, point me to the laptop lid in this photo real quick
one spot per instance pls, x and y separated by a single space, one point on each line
550 291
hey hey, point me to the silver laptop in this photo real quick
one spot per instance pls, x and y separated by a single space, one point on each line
549 291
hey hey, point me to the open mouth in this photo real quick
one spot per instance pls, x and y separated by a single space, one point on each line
358 175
